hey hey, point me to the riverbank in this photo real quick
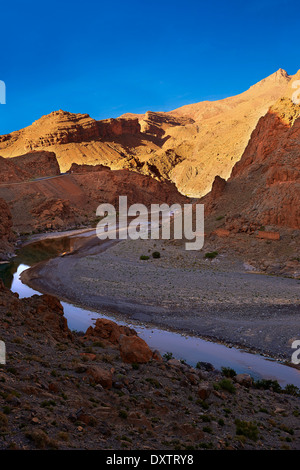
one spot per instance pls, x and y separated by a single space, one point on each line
217 299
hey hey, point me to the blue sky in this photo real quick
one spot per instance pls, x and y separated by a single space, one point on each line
108 58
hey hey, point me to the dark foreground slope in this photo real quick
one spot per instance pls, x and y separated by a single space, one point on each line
103 391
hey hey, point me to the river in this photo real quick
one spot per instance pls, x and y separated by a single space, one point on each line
189 348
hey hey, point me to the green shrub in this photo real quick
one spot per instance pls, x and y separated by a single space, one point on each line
207 429
268 385
247 429
227 385
153 382
144 257
168 356
3 421
203 403
204 365
98 344
123 414
228 372
211 255
291 389
156 254
40 439
6 410
206 418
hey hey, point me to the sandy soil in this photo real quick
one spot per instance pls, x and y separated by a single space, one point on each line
217 299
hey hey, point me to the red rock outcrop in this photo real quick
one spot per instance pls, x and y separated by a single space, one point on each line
115 127
109 331
38 164
11 173
49 309
28 166
132 348
218 187
157 123
44 312
75 168
54 213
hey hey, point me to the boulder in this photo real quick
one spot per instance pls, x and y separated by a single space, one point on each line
204 390
221 232
174 362
109 331
244 379
134 349
101 376
268 235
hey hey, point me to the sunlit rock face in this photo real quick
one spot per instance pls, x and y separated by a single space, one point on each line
188 146
264 186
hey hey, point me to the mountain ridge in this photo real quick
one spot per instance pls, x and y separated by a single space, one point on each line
187 146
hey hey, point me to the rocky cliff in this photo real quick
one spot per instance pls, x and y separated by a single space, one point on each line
255 215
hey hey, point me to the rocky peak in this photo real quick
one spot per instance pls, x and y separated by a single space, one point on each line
278 78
